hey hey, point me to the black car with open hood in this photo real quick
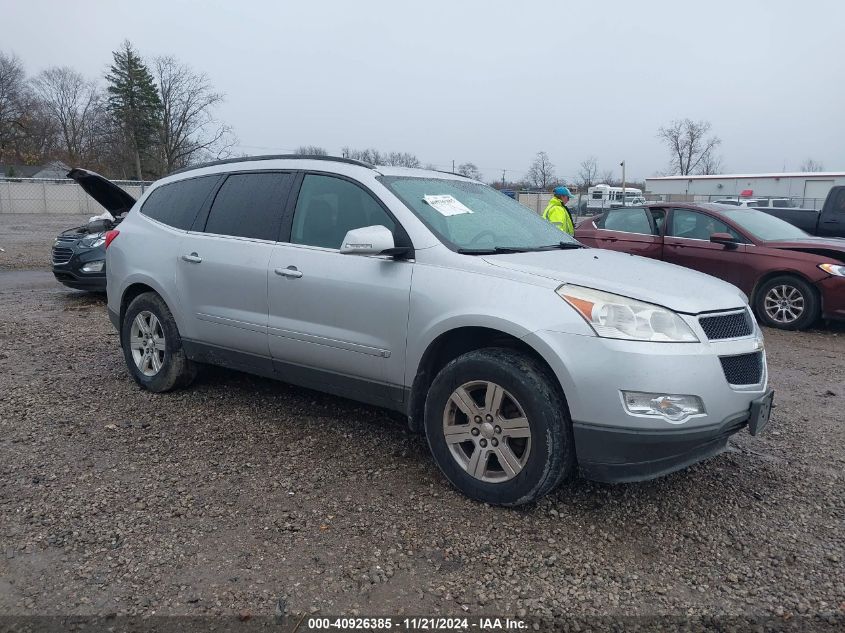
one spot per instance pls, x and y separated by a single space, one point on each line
79 254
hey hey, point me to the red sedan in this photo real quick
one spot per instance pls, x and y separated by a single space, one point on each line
790 277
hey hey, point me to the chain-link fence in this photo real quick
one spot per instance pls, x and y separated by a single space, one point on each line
36 195
578 204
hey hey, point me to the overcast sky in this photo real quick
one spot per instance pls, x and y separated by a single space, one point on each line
487 82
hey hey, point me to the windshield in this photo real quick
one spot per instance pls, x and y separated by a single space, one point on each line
763 226
468 216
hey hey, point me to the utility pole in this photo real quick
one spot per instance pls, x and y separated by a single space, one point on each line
503 178
453 165
622 165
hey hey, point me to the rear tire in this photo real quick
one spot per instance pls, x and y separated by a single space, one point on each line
152 346
509 433
787 302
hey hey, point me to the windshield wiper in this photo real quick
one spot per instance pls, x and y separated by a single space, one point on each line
496 250
562 245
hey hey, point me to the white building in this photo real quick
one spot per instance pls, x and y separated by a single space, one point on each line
809 187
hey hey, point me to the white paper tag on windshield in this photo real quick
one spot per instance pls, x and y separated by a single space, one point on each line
446 205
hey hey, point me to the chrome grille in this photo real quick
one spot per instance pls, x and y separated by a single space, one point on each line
62 254
745 369
723 326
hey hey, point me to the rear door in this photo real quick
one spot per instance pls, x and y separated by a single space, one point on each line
222 270
687 243
630 230
338 321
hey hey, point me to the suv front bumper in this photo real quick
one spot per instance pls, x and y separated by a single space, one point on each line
614 445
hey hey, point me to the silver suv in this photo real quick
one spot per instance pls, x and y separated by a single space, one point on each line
521 354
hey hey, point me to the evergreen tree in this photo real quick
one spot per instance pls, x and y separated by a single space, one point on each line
134 102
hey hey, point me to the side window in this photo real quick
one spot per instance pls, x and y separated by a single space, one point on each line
840 202
694 225
597 195
328 207
250 205
628 220
178 203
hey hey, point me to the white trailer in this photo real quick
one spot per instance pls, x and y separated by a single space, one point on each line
603 197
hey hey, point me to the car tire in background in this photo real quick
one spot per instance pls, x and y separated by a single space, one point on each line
786 302
152 346
498 427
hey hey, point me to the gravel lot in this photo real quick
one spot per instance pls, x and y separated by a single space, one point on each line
240 491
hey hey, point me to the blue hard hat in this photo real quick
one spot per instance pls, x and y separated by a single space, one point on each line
562 191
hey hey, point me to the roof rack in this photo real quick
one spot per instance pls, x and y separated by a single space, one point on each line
243 159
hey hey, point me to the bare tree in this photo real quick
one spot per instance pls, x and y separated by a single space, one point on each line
607 177
375 157
469 170
588 173
401 159
73 103
541 174
811 165
688 143
13 99
710 164
188 130
311 150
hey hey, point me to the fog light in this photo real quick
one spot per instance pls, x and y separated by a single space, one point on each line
672 407
94 267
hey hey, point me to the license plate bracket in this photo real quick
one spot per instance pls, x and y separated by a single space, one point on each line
761 412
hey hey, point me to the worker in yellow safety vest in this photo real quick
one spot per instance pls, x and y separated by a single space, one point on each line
557 212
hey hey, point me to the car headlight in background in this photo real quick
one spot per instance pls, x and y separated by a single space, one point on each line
94 267
833 269
673 407
613 316
93 241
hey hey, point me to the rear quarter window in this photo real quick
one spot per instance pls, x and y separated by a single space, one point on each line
178 203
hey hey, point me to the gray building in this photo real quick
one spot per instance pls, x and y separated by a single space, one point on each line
805 186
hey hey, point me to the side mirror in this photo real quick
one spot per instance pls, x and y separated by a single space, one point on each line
368 240
725 239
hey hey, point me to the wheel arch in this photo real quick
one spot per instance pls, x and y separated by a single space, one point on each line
454 342
780 273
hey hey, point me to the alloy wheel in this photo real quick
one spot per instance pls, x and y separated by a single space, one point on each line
487 431
784 304
147 343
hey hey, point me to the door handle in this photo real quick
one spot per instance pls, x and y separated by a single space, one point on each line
193 258
290 271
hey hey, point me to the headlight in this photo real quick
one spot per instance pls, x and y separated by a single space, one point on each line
833 269
612 316
93 241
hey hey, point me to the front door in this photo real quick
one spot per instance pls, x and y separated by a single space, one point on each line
687 243
338 321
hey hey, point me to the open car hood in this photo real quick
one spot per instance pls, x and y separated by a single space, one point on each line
823 246
104 191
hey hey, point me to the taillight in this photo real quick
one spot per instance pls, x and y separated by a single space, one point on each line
110 235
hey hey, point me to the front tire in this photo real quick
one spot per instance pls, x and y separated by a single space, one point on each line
498 427
787 302
152 346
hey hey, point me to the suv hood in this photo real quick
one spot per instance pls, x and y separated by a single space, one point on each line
679 289
104 191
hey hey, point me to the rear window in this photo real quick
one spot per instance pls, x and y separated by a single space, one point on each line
178 203
634 220
250 205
